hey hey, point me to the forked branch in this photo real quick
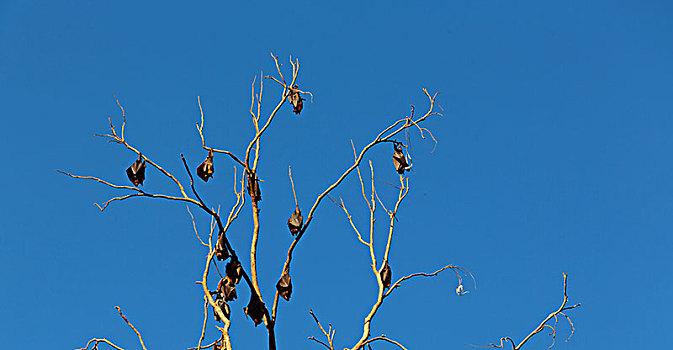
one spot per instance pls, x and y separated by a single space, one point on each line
96 341
544 322
140 193
383 337
384 136
329 333
113 137
199 127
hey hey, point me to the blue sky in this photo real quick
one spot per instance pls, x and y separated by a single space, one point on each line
553 156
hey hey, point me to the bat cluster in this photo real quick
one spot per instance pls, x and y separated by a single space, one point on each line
296 100
226 289
221 298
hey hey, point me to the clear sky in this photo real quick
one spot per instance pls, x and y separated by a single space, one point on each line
554 156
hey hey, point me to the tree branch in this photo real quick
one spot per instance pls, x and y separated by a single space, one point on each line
456 269
384 338
199 127
140 193
329 334
121 140
382 137
96 341
544 324
140 338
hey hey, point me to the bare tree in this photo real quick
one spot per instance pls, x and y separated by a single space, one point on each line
221 252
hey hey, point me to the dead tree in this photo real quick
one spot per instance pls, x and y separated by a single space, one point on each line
263 306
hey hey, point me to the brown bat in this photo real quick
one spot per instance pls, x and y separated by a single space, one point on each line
234 270
221 252
227 289
206 169
386 275
296 100
255 309
136 172
399 160
253 187
284 286
295 222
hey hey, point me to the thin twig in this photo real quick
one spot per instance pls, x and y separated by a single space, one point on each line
404 190
456 269
292 182
194 226
199 127
95 342
207 346
205 321
140 193
328 334
384 338
142 343
350 219
493 345
320 342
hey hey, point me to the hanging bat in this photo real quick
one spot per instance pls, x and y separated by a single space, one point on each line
255 309
221 252
295 222
234 270
206 169
136 172
253 187
227 289
219 301
284 286
386 275
296 100
399 160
